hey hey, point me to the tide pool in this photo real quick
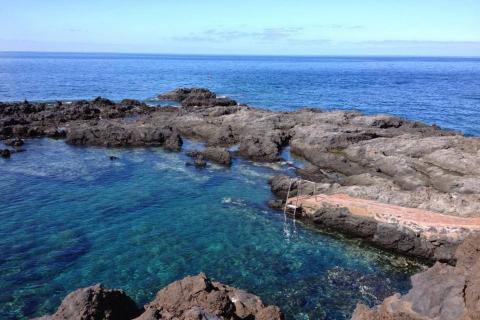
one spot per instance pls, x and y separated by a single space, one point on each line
72 218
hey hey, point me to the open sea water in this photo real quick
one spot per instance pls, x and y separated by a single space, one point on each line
445 91
72 218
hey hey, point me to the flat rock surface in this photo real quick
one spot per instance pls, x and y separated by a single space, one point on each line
418 220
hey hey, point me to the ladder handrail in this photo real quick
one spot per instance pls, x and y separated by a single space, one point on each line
299 190
288 194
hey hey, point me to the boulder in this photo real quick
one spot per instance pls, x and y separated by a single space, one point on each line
263 148
94 303
15 142
442 292
197 97
117 134
5 153
198 297
215 154
192 298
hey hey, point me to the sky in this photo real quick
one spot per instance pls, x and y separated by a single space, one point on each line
263 27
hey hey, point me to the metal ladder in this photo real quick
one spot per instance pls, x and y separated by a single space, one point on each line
295 206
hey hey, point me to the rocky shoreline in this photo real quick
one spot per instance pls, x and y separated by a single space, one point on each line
379 158
410 231
192 298
442 292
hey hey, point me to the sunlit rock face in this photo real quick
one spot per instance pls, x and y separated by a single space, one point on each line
191 298
442 292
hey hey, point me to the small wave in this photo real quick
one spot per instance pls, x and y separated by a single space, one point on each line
234 201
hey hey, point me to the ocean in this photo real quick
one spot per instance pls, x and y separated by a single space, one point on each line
445 91
72 218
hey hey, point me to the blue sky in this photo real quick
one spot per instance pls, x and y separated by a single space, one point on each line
301 27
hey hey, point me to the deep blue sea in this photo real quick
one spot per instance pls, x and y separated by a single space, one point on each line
70 217
445 91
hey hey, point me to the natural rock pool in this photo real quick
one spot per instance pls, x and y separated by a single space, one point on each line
70 217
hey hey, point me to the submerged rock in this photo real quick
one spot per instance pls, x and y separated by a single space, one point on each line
5 153
191 298
15 142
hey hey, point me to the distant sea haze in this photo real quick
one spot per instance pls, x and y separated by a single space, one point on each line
444 91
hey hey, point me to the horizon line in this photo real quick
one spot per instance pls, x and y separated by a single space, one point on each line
244 54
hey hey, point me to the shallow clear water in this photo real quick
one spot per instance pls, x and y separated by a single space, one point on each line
72 218
445 91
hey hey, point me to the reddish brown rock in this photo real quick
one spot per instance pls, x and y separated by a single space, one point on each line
199 298
192 298
94 303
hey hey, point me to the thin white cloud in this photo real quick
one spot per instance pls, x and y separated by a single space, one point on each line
266 34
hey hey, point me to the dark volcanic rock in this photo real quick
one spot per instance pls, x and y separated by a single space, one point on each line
100 101
192 298
380 158
15 142
200 162
260 148
197 97
215 154
94 303
181 94
131 102
442 292
5 153
200 298
116 134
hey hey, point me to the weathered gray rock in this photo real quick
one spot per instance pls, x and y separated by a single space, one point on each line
215 154
382 158
117 134
442 292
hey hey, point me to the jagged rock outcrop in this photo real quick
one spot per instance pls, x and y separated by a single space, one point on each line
432 236
15 142
29 120
215 154
380 158
197 97
117 134
192 298
96 302
200 298
442 292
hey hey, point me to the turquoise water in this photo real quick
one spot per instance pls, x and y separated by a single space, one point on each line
71 218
